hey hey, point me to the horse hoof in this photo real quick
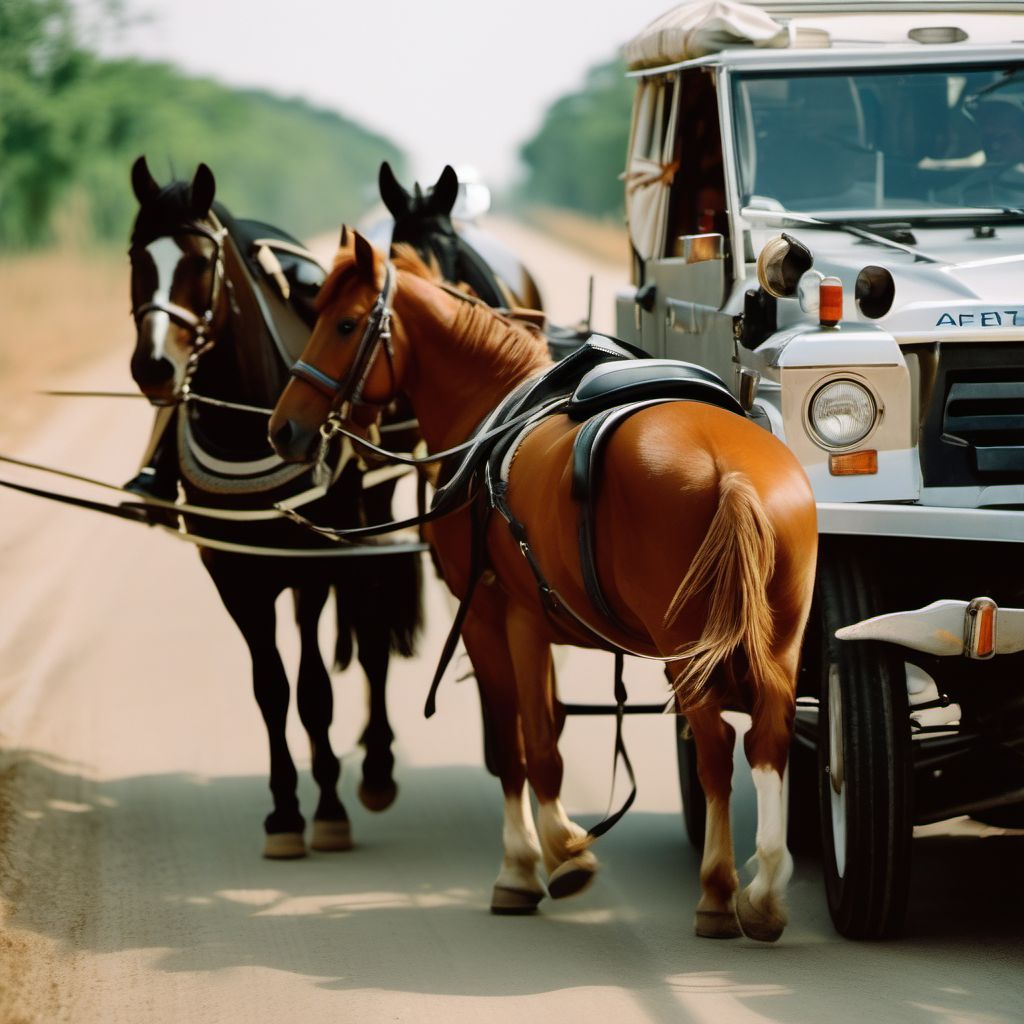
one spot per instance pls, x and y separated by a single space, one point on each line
572 876
284 846
716 924
377 799
509 901
756 924
331 836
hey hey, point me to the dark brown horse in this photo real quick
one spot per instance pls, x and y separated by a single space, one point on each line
706 559
205 327
462 253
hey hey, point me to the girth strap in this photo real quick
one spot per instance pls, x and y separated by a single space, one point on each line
478 520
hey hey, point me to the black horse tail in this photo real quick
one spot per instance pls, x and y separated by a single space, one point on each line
378 599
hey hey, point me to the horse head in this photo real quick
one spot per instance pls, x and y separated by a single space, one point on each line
177 280
423 219
349 367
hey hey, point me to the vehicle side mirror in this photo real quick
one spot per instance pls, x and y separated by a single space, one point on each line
781 264
645 296
760 318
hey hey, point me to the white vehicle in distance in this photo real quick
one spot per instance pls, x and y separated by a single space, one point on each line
826 207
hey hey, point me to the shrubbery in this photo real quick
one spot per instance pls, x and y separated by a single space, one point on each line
71 124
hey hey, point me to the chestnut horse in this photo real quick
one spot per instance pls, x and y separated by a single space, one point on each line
200 324
709 539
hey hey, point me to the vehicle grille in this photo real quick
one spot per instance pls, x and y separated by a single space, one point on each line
973 431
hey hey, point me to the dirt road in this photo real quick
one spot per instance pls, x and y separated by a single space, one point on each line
134 786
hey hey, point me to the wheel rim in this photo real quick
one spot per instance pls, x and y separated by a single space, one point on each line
836 769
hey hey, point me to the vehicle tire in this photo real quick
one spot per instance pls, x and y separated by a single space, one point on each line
803 815
865 759
695 808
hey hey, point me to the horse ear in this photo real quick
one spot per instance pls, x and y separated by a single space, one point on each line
343 241
366 258
143 184
203 188
446 191
396 199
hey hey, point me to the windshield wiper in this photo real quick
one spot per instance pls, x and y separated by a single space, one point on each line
753 213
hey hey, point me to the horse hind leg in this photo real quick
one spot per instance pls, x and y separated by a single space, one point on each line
377 789
761 906
716 909
315 697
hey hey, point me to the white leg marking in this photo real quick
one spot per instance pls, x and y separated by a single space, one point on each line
522 849
557 832
775 865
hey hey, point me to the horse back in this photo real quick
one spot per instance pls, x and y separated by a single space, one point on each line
656 493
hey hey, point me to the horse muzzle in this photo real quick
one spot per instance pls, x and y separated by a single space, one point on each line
155 378
293 442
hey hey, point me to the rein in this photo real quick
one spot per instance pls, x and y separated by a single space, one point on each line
137 513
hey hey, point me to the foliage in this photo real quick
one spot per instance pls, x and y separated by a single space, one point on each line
579 151
72 124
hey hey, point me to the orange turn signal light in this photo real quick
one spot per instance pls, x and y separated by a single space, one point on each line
854 463
830 301
980 634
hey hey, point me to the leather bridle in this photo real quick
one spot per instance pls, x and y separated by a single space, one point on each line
199 326
347 391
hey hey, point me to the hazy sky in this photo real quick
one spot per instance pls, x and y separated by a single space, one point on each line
451 81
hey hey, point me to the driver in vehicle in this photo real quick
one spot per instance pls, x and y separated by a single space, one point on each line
1000 180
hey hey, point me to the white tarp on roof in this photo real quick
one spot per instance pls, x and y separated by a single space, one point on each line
698 28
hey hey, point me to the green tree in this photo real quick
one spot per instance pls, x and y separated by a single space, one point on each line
38 62
71 125
578 152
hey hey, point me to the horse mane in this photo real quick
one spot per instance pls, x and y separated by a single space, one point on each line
477 326
481 327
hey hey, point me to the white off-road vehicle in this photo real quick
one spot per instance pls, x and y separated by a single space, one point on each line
826 207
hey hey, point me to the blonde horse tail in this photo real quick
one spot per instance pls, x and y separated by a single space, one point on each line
732 567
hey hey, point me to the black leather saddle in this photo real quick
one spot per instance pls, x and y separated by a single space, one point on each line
298 267
638 380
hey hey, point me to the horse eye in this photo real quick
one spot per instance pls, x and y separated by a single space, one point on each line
346 326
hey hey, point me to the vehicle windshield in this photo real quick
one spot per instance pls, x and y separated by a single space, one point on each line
914 140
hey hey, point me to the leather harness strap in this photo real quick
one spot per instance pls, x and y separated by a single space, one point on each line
140 513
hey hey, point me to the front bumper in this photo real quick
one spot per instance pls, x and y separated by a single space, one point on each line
979 629
921 521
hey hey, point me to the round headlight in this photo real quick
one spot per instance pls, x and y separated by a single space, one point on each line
842 413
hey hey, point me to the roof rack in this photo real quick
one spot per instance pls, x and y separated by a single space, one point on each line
804 8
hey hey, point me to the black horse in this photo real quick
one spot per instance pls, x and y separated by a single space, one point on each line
464 253
223 307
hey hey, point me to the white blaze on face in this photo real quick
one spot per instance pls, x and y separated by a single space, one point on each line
165 254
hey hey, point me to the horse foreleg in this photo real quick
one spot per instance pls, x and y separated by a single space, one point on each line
571 866
252 609
315 698
518 888
761 906
716 910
